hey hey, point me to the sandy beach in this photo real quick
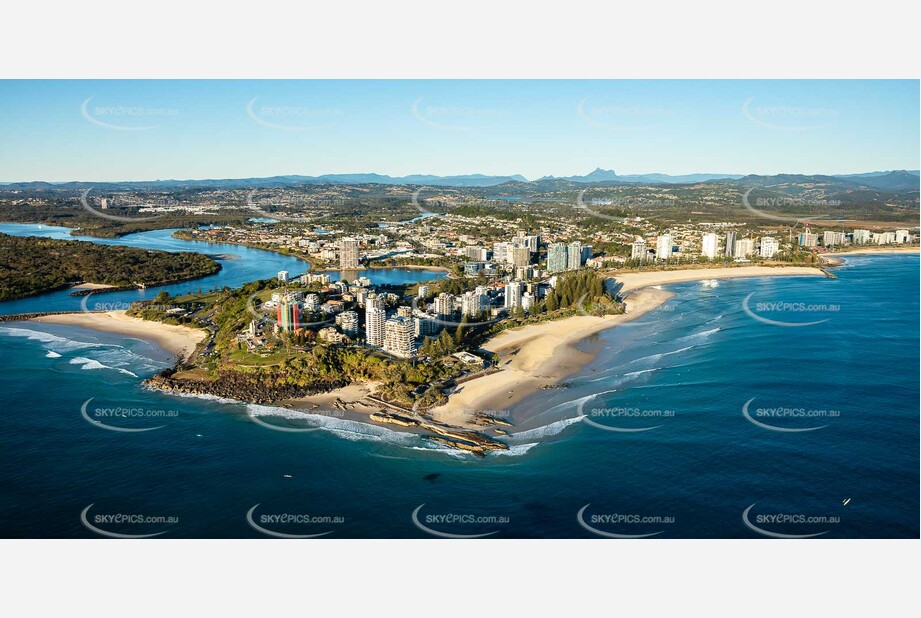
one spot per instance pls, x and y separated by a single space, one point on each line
874 250
179 340
349 398
92 286
637 280
535 357
543 355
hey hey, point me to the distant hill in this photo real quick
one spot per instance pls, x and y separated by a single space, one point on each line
897 180
470 180
602 175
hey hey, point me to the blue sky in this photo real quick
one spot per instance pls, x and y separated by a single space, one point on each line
145 130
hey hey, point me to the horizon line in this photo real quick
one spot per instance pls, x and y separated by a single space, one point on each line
472 174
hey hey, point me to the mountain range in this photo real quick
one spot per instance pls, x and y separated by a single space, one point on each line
896 180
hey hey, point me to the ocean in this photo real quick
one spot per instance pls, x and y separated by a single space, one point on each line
680 428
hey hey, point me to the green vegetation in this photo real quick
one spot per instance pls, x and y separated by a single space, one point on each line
66 214
30 265
291 365
298 364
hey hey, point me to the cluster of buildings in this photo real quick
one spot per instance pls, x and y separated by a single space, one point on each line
729 245
520 257
348 312
711 247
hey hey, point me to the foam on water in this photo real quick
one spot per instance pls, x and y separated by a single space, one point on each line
49 338
655 357
551 429
204 396
516 450
626 377
704 333
89 363
342 428
52 354
574 403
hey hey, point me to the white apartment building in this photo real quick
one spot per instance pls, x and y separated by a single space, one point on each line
808 239
769 246
664 246
348 322
375 319
312 302
472 304
638 252
574 255
513 294
476 254
833 239
398 337
348 254
531 242
708 245
744 247
373 301
308 279
502 252
883 238
527 301
444 305
283 276
861 237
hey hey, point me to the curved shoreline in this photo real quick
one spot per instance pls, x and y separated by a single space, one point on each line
874 251
542 356
178 340
534 357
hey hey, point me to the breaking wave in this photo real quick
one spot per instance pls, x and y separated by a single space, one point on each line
551 429
89 363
